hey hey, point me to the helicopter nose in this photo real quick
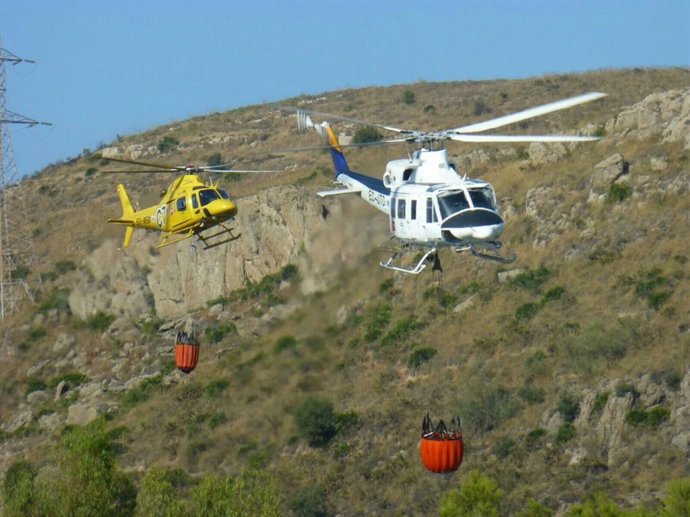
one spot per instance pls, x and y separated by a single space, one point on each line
224 208
478 224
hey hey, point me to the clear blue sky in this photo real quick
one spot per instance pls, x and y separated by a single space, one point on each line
116 67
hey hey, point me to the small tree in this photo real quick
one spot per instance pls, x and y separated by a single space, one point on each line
157 496
85 481
409 97
478 495
316 420
677 500
18 490
309 501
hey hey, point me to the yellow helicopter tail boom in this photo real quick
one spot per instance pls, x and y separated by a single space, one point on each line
127 214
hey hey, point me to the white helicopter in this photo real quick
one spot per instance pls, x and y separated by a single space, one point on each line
428 203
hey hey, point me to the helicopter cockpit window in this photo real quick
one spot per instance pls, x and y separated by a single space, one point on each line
206 196
452 203
195 201
223 194
181 205
482 198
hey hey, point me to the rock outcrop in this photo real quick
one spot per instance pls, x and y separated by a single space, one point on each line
278 226
664 114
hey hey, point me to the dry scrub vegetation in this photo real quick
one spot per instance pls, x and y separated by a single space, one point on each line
328 402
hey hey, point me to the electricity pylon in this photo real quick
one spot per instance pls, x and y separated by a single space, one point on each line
16 250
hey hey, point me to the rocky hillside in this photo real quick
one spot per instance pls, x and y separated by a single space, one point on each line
570 368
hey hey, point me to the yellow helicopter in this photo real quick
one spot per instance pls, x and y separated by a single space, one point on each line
189 206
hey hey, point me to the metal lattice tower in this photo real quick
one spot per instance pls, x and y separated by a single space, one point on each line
16 250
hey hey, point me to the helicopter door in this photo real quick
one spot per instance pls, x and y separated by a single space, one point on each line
430 226
402 223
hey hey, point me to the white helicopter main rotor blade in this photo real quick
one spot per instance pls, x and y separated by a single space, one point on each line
346 119
522 138
529 113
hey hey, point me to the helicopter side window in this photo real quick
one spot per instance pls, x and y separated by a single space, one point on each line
181 205
401 208
413 209
393 205
206 196
195 201
430 212
452 203
482 198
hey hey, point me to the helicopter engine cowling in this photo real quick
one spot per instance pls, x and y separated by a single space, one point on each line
473 224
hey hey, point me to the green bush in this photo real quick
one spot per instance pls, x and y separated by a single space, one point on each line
65 266
624 388
490 409
214 388
409 97
648 288
535 439
595 506
36 333
251 493
214 160
401 330
158 496
600 401
480 108
35 384
527 311
652 418
380 319
57 299
532 280
596 344
565 433
420 356
217 419
532 395
316 421
619 192
72 379
442 297
504 448
536 509
568 407
167 143
142 392
20 272
309 501
19 490
366 134
86 481
478 495
677 500
217 333
285 343
669 376
99 321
